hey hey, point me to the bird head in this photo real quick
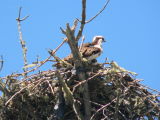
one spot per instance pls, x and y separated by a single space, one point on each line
97 40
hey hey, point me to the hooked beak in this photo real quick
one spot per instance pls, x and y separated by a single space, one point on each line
103 40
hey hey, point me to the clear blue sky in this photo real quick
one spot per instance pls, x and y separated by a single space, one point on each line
131 27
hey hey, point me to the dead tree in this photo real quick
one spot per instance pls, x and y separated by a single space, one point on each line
79 91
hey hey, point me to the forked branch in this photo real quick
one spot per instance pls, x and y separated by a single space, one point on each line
23 43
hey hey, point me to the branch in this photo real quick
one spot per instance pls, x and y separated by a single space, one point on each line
1 62
54 51
15 95
117 103
41 63
82 21
19 16
98 12
83 38
23 43
4 89
74 46
84 81
80 69
69 95
26 86
100 109
51 88
74 26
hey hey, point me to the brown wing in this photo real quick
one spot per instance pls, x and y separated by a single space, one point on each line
69 58
84 47
90 51
86 50
87 45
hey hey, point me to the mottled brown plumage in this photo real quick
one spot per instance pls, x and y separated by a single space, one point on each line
89 51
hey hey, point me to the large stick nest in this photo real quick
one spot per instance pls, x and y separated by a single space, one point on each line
112 95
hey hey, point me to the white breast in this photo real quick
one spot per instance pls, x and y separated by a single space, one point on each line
94 56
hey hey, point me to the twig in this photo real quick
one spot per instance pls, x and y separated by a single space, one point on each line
63 31
51 87
29 85
151 89
74 26
40 81
98 12
83 38
23 43
117 103
96 104
42 62
84 81
102 108
3 88
1 61
54 51
15 95
19 16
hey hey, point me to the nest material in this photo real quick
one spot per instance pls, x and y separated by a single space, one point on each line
113 95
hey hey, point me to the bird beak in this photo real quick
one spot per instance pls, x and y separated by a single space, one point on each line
103 40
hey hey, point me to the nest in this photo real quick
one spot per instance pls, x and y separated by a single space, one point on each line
113 95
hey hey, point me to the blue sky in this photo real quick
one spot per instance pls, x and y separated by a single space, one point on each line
131 28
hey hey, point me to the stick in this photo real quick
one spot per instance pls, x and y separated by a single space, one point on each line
83 20
98 12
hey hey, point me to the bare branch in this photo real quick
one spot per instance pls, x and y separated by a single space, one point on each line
102 108
150 88
23 43
69 95
1 62
29 85
19 16
19 12
63 31
54 51
83 38
51 87
98 12
82 21
84 81
41 63
74 25
73 45
79 65
15 95
3 88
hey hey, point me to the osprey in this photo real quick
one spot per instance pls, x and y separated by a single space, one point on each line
89 51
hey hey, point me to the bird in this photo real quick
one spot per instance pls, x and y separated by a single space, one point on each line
89 51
